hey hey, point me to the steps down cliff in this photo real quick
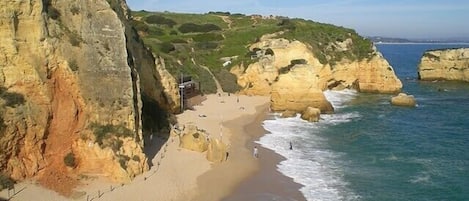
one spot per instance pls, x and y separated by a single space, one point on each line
445 64
75 85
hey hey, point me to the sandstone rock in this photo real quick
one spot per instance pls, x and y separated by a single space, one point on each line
447 64
288 113
193 139
59 75
298 90
217 151
311 114
370 75
403 100
296 87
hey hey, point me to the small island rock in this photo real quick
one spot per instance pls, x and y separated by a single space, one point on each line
403 100
311 114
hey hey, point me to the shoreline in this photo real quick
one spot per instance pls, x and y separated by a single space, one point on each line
267 183
242 176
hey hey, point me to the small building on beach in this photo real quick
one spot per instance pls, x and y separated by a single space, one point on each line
190 92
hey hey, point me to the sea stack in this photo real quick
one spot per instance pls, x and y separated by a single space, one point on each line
403 100
445 64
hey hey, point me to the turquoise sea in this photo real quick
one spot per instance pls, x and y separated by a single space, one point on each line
370 150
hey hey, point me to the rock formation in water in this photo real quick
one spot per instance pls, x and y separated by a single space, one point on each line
74 77
295 79
403 99
311 114
445 64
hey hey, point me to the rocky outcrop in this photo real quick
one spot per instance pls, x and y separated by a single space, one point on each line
295 79
288 113
72 77
403 99
370 75
217 151
311 114
446 64
193 139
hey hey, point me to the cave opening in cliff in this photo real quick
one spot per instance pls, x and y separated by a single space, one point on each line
155 127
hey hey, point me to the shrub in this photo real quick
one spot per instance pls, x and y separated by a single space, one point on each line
74 39
140 26
207 37
12 99
75 10
293 62
194 28
116 145
298 61
287 24
167 47
157 19
136 158
228 81
219 13
178 40
123 159
157 31
173 32
73 65
69 160
2 126
207 45
102 132
6 182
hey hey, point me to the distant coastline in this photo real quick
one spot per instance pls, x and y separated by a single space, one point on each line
390 40
421 43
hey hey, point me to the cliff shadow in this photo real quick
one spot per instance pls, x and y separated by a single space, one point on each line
155 128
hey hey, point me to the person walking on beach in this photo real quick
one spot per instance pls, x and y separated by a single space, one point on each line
291 146
255 152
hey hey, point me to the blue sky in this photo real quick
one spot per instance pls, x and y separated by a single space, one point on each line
429 19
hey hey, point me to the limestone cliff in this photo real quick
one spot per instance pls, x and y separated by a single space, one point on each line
447 64
72 78
295 78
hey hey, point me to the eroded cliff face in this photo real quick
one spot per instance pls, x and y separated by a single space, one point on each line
72 77
449 64
295 78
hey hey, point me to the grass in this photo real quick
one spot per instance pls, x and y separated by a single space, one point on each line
207 48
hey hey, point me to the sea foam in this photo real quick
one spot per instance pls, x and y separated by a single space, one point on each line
311 163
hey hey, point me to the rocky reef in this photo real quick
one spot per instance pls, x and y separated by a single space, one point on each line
445 64
75 84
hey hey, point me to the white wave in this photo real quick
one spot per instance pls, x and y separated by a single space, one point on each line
310 163
339 99
422 178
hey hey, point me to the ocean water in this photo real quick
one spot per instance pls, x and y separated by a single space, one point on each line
370 150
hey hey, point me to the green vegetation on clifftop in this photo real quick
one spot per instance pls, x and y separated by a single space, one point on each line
189 41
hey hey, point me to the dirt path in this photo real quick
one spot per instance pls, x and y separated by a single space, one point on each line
227 20
219 88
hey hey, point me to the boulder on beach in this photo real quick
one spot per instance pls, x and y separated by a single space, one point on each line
403 99
193 139
217 151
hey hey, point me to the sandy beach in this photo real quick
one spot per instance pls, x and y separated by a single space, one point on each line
180 174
